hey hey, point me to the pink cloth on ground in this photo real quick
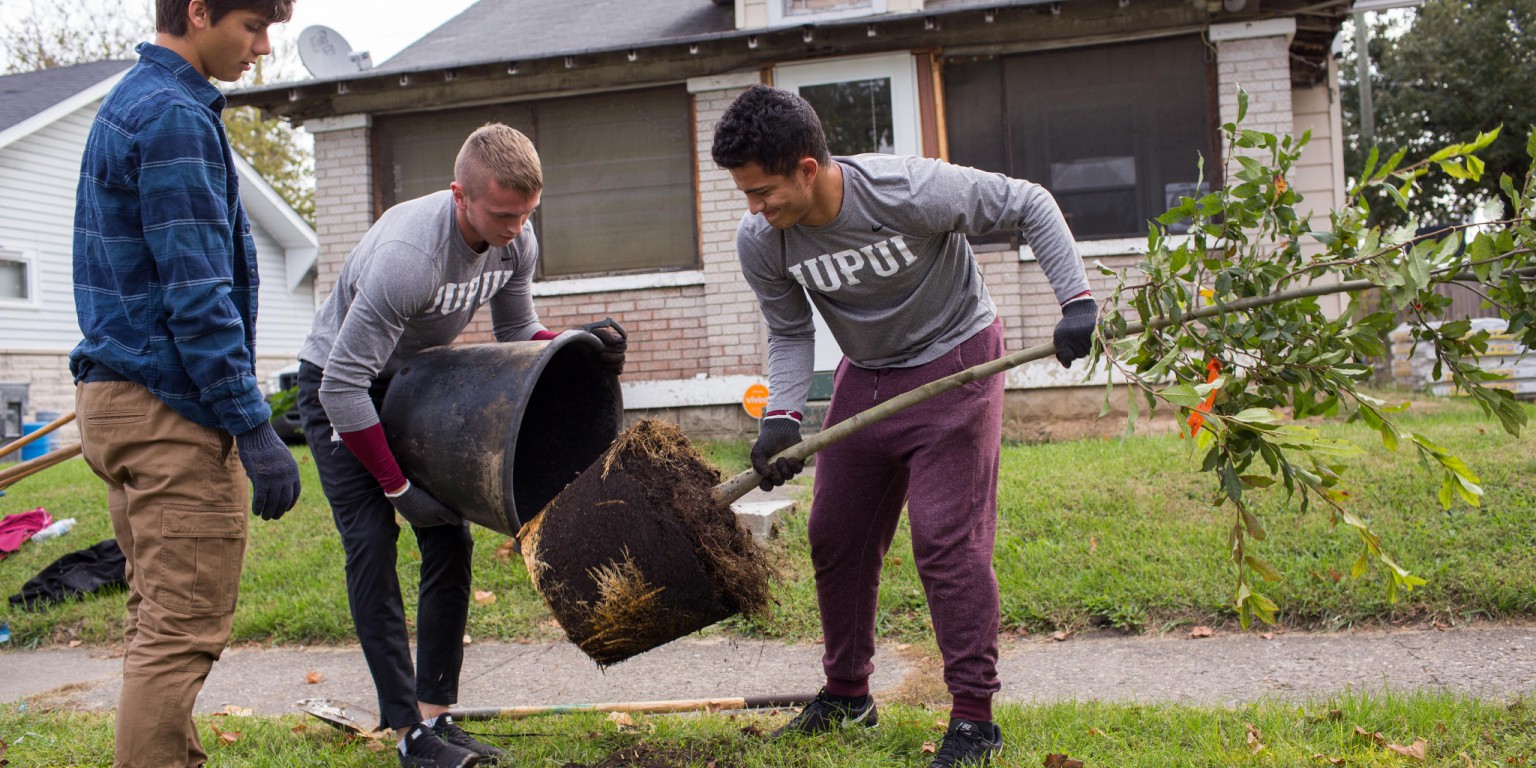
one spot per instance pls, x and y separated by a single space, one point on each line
19 527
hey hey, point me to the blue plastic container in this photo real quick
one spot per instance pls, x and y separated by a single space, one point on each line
38 447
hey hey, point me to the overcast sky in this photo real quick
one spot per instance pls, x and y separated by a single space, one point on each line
381 27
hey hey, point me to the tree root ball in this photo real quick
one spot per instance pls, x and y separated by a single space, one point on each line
636 552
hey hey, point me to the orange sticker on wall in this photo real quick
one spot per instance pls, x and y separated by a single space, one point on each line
755 400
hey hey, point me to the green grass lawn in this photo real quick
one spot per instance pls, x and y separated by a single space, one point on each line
1097 532
1456 733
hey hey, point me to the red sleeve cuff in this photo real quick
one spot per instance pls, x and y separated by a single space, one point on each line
543 335
372 451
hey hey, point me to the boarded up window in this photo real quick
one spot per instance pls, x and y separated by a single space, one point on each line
1115 132
618 174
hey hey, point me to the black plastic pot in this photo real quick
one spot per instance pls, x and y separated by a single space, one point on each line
495 431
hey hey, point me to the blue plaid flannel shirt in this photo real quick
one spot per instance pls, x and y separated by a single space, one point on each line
165 267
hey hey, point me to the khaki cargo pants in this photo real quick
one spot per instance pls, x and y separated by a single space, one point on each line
179 501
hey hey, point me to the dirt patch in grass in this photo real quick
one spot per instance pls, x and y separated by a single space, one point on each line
643 755
923 684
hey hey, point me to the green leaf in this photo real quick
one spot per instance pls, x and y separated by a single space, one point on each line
1455 171
1252 525
1260 416
1265 571
1242 106
1361 565
1182 395
1447 493
1258 481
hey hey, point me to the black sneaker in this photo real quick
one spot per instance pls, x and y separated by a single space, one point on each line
423 749
827 712
968 743
449 731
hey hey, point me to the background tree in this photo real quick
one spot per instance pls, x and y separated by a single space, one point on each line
69 32
1459 69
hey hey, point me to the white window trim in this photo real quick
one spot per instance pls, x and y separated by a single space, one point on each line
34 298
1120 246
574 286
777 17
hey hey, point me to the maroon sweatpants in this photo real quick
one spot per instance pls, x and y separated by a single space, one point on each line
939 458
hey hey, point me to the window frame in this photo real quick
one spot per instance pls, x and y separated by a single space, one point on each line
1016 158
385 135
777 17
28 260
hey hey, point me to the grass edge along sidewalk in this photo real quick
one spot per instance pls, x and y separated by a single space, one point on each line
1095 532
1385 729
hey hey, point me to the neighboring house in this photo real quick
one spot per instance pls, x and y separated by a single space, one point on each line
44 119
1106 102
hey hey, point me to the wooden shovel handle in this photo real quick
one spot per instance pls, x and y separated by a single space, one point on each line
45 429
738 486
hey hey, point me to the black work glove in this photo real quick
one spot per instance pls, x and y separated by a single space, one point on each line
273 472
614 340
775 435
421 510
1074 334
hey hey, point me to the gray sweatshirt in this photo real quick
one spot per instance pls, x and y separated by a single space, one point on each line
413 283
893 274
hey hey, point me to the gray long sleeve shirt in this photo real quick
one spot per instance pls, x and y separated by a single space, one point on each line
413 283
893 274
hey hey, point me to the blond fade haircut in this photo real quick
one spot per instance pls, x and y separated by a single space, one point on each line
496 151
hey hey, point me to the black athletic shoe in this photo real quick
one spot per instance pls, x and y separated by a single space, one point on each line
827 712
968 743
449 731
423 749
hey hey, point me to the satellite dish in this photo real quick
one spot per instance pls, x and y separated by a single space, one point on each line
325 53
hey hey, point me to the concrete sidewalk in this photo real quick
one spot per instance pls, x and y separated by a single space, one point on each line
1496 662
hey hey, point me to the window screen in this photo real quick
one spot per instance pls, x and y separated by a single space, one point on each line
618 174
1112 131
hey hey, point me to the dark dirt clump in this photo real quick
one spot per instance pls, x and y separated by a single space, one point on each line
636 552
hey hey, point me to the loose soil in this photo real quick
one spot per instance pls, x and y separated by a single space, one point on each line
636 552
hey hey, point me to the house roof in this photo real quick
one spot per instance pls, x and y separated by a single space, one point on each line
31 93
502 30
488 32
32 101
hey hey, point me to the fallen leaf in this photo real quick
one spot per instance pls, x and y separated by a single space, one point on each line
230 709
929 748
300 728
227 737
1463 756
1328 760
1201 631
1414 751
484 598
1437 624
1095 732
313 677
507 549
1376 737
1055 760
468 639
1060 635
1255 739
1093 545
941 724
74 643
1267 635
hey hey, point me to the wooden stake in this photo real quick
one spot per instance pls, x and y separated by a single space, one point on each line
10 475
45 429
652 707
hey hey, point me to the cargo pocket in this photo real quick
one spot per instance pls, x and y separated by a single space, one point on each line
200 555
